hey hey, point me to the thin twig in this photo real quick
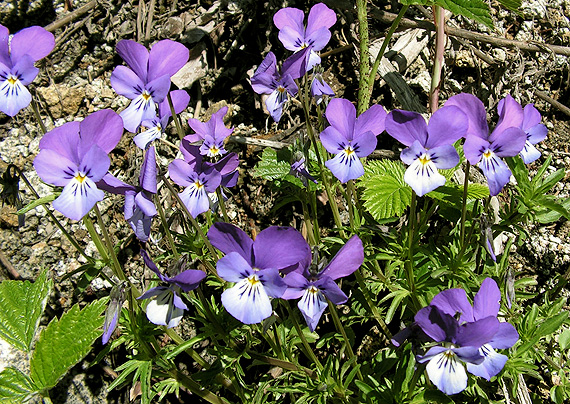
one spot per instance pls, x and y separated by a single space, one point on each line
529 46
149 20
552 101
8 265
71 16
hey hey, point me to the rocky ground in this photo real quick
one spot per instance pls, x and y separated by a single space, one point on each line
228 39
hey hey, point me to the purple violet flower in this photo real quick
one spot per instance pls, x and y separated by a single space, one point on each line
147 79
254 267
213 133
485 150
349 137
299 170
296 37
430 147
139 208
17 70
535 132
320 89
75 156
168 308
267 80
157 125
468 333
314 287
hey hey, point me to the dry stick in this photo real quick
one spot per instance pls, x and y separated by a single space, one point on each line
552 101
149 20
440 39
139 20
8 265
71 16
527 46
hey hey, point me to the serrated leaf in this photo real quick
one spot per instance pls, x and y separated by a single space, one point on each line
385 192
21 306
38 202
270 167
476 10
15 387
453 193
65 342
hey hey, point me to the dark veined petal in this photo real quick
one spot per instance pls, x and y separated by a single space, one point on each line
373 120
446 371
126 82
14 96
496 172
510 115
188 280
346 165
147 178
78 197
103 128
312 305
54 168
195 198
247 301
436 324
422 175
233 267
491 365
163 311
296 285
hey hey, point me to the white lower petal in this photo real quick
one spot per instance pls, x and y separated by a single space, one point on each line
14 96
161 311
247 301
447 373
491 365
78 197
423 177
143 139
529 153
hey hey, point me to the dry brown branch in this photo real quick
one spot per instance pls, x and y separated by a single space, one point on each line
71 16
552 101
527 46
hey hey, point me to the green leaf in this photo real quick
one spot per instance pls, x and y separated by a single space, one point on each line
15 387
38 202
564 340
21 306
512 5
270 167
65 342
476 10
551 324
385 192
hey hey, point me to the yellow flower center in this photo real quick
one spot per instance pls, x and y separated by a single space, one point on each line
80 177
12 80
198 184
424 159
349 150
281 89
214 150
253 280
313 290
488 154
146 95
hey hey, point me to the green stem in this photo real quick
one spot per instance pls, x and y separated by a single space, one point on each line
419 370
175 117
195 388
393 27
196 226
308 223
118 268
322 168
464 207
317 232
222 204
38 117
164 222
364 66
197 358
340 328
308 350
410 261
96 239
439 17
373 308
52 216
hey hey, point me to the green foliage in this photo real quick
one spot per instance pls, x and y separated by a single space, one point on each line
38 202
21 306
270 166
65 342
15 387
385 193
532 196
477 10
